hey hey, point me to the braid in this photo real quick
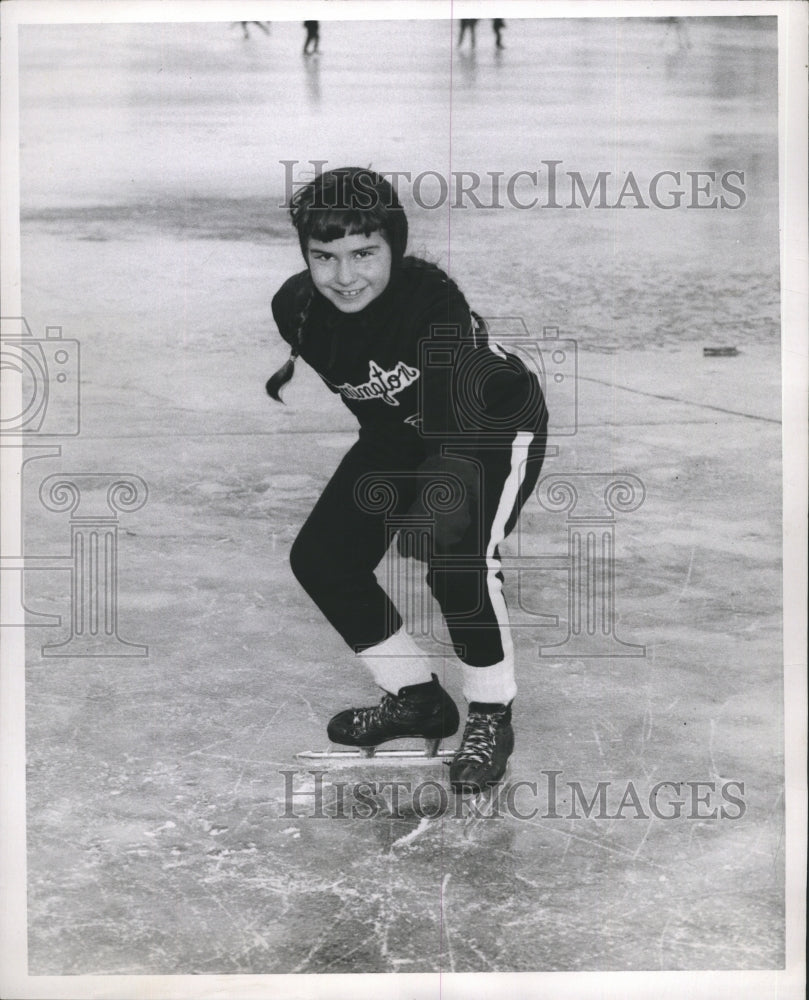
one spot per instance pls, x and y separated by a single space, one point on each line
279 379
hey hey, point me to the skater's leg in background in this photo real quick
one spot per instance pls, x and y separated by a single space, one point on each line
471 596
481 631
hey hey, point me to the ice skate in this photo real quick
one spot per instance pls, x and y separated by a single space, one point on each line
487 744
423 711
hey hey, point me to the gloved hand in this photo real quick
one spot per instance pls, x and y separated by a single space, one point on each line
448 498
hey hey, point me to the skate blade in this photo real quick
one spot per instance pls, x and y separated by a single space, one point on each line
361 756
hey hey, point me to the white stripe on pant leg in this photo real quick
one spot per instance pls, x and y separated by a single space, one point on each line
502 674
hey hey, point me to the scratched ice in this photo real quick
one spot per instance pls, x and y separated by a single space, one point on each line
159 839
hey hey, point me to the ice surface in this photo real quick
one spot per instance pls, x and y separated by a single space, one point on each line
159 838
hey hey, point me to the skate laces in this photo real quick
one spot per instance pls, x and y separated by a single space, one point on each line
479 737
388 710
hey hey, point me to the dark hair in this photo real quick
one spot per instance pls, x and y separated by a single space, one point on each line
338 203
345 202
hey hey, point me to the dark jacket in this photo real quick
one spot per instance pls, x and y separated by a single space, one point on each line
414 364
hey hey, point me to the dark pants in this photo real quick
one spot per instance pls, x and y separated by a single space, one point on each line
352 524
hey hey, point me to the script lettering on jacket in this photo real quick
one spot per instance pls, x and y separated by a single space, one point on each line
381 384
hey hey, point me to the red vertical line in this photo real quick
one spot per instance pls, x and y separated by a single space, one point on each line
592 582
93 581
109 583
78 582
575 583
608 581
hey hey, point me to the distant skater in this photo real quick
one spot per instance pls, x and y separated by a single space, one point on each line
497 27
680 26
312 37
246 27
467 24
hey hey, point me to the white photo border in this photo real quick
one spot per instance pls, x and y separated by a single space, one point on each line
792 33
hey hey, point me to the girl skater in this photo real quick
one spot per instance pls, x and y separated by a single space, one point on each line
442 413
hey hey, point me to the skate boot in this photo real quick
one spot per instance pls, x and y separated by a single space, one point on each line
424 710
487 743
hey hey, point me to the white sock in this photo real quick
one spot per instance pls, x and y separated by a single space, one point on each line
490 684
397 662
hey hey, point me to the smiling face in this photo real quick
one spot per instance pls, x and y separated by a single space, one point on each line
351 271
